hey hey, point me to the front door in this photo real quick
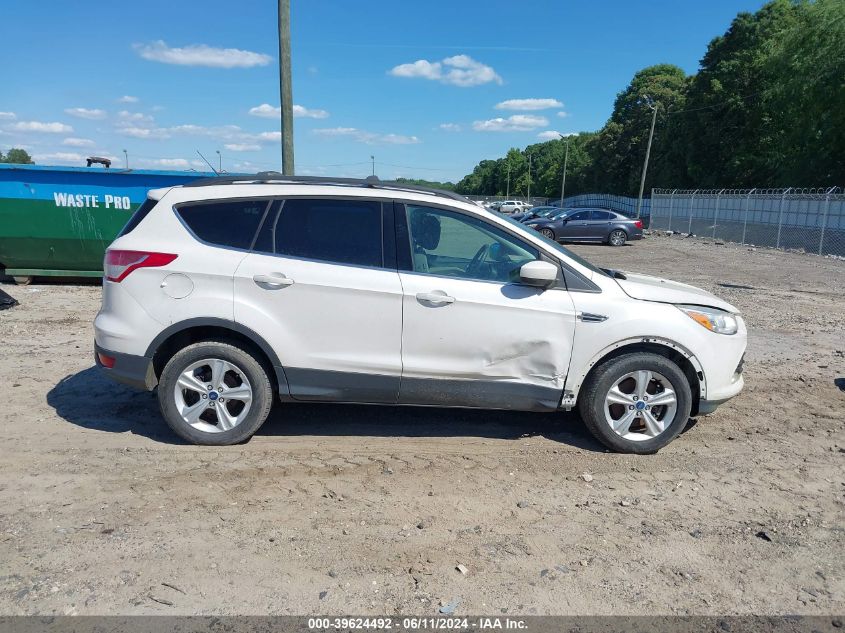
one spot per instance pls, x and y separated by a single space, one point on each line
320 289
473 335
577 226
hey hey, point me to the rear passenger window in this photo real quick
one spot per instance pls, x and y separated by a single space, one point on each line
230 223
602 215
340 231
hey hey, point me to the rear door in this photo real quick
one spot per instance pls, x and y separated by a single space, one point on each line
321 286
599 225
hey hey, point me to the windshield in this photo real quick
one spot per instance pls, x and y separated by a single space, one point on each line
561 249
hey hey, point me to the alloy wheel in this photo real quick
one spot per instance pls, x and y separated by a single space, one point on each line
640 405
213 395
617 238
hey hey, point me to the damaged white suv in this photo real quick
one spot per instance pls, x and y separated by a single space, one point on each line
229 292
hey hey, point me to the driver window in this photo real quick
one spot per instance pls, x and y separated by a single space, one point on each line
583 215
456 245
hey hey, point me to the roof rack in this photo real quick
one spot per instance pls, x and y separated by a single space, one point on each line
274 177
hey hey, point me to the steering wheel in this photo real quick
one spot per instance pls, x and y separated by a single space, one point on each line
479 258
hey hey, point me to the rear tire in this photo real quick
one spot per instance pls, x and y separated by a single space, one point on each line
614 392
617 237
214 393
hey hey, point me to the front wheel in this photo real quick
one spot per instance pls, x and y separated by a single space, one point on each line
617 238
214 393
636 403
548 233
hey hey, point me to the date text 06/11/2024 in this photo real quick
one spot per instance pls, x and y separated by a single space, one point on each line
415 623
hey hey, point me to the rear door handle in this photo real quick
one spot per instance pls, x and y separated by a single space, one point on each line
274 280
438 296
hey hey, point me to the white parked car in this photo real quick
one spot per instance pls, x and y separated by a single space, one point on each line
514 206
228 293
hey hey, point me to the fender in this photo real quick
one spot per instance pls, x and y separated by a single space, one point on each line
575 381
225 324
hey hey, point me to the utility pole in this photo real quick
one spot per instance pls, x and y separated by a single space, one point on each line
654 107
126 156
285 91
529 180
508 191
373 158
565 160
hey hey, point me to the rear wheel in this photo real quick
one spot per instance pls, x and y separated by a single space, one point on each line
636 403
214 393
617 237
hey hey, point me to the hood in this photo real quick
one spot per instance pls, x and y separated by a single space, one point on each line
648 288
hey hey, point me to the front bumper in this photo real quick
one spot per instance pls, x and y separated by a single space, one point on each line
135 371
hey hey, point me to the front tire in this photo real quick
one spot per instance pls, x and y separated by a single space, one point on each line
636 403
617 237
548 233
214 393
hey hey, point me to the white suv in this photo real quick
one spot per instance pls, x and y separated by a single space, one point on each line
513 206
228 292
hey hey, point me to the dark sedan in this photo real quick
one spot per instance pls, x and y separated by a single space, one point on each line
535 212
589 225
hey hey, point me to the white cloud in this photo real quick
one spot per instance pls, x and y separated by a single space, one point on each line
134 119
563 114
450 127
59 157
528 104
7 116
549 135
368 138
84 113
39 126
270 112
242 147
514 123
144 132
459 70
78 142
201 55
128 99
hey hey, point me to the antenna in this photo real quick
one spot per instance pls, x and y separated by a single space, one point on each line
216 173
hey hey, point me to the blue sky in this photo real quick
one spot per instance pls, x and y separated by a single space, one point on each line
429 88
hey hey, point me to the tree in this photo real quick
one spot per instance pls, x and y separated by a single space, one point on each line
18 156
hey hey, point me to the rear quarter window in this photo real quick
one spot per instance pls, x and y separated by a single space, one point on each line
228 223
140 213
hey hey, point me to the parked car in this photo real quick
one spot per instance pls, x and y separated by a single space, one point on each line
229 293
589 225
534 212
494 206
512 206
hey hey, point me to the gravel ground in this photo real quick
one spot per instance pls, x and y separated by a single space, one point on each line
358 509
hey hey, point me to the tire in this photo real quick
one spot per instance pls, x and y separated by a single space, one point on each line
617 237
23 280
640 438
548 233
222 420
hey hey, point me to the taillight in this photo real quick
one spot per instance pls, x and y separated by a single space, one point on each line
118 264
105 361
638 224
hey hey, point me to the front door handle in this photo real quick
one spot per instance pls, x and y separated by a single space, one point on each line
437 297
273 280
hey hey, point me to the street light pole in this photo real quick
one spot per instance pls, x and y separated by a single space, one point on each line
654 107
126 156
565 160
219 162
285 91
373 158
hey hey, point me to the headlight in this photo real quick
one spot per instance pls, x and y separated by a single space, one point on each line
713 319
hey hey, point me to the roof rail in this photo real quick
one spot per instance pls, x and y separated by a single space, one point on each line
274 177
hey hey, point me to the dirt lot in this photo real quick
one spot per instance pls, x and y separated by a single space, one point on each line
334 509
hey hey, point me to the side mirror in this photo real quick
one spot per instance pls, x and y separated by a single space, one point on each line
538 273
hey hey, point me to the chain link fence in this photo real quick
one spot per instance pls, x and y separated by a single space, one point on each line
812 220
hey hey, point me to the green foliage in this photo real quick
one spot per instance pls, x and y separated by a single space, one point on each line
765 109
17 156
433 184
